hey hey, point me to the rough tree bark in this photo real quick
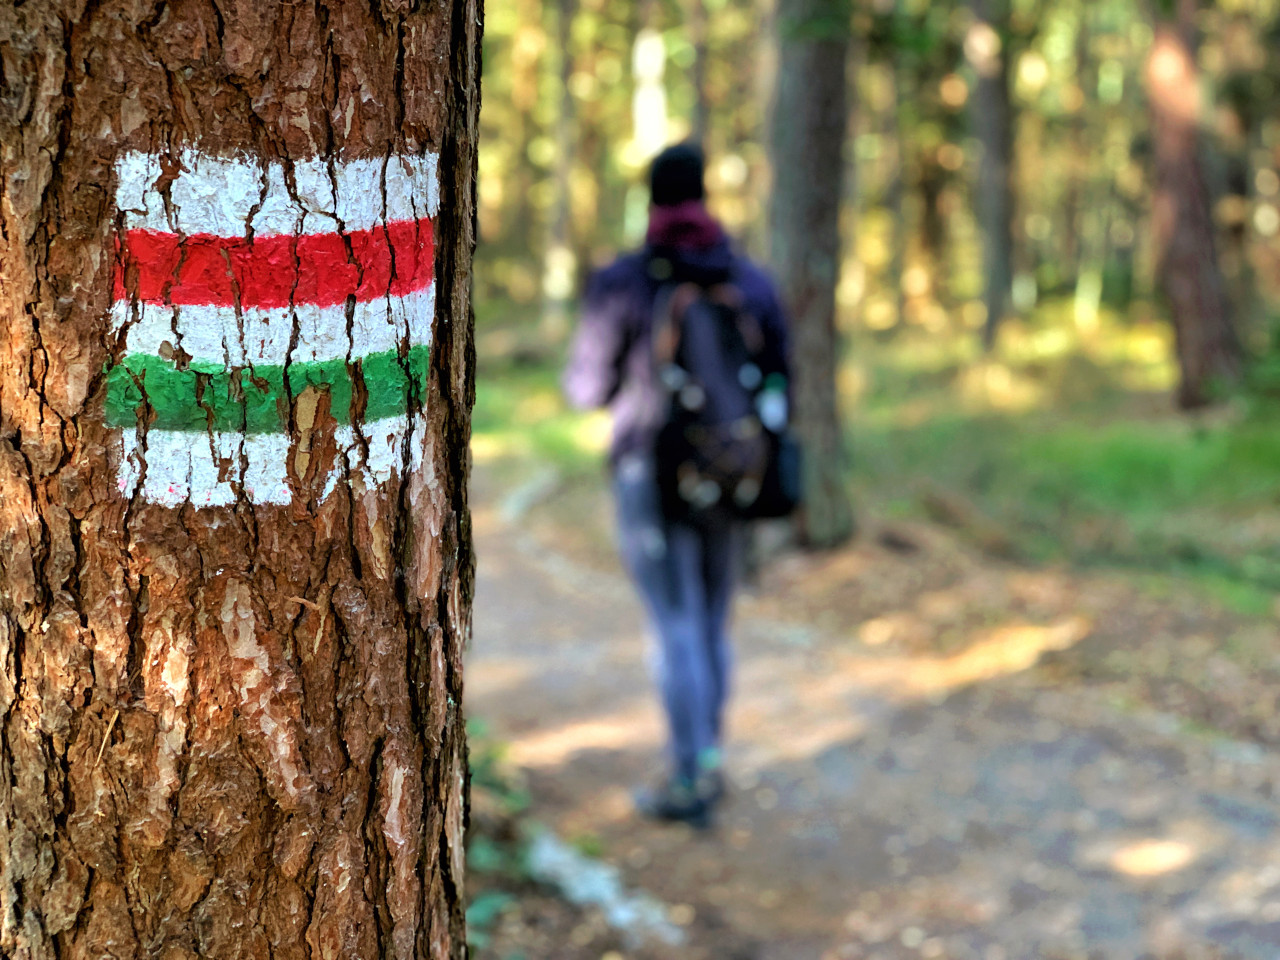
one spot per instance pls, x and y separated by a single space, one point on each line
235 567
809 122
1187 271
992 125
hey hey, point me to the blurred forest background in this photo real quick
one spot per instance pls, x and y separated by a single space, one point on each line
1007 359
1038 247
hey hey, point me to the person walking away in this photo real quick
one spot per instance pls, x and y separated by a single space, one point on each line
681 561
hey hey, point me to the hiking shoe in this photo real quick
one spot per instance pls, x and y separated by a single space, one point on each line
712 786
676 801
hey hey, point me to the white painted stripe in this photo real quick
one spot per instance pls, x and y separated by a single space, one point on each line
182 466
227 196
215 334
384 440
186 467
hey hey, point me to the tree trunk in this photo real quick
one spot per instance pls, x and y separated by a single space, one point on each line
809 121
755 121
235 561
895 196
559 267
696 17
525 229
1080 177
992 125
935 238
1187 271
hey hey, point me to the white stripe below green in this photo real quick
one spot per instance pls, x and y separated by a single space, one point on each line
209 470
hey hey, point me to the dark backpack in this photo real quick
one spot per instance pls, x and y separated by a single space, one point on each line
723 448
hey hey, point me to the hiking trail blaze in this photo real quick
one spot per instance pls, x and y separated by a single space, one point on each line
248 294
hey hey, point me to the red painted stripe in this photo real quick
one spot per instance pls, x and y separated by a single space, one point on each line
275 271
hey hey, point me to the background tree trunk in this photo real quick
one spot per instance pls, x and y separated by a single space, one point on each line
992 125
935 237
560 268
895 197
1187 271
809 122
235 567
698 29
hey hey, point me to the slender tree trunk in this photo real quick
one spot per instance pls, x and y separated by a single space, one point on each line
235 568
895 196
1187 271
1080 182
559 261
934 236
809 123
759 88
993 125
696 13
525 226
1095 212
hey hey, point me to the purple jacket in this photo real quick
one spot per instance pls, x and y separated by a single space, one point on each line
610 362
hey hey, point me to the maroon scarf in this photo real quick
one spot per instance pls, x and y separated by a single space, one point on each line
686 224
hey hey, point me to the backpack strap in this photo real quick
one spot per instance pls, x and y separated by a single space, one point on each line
729 296
671 306
672 303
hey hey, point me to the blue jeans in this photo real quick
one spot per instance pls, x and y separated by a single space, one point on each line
685 575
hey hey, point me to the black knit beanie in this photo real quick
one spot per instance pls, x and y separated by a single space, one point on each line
676 175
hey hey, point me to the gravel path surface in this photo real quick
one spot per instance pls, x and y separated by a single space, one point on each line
885 803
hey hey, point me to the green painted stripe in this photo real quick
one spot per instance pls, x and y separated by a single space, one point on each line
254 400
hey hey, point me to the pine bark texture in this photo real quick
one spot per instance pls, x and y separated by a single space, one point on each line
809 123
1187 270
227 730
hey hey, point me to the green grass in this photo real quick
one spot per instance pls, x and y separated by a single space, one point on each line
521 417
1072 462
1048 464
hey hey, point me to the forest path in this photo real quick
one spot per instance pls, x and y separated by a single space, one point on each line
886 802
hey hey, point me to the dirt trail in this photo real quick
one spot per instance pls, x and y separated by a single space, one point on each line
888 801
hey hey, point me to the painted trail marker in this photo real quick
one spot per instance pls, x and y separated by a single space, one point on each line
240 286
